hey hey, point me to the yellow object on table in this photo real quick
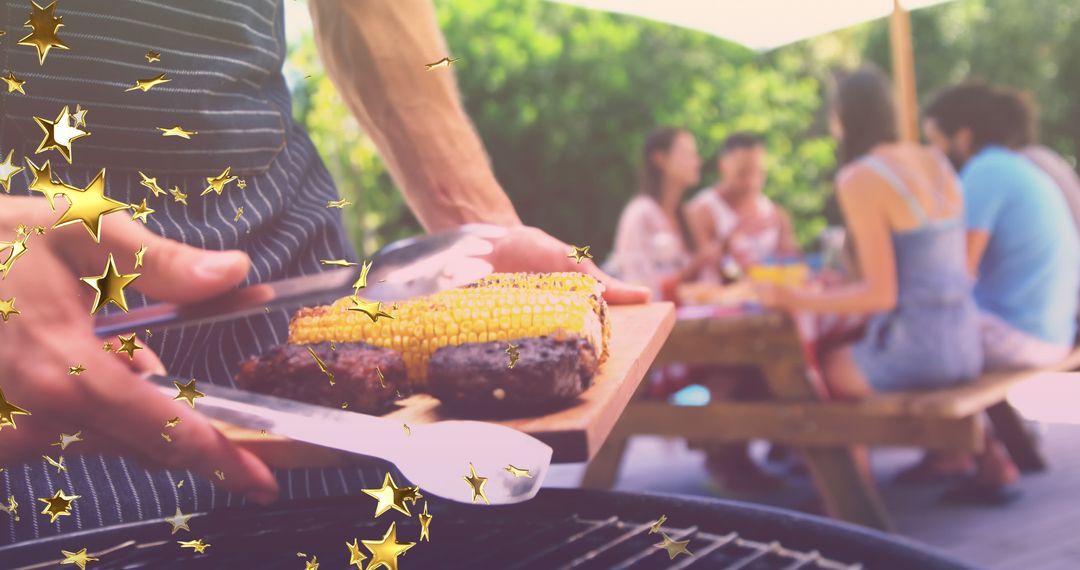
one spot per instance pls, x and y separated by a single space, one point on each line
793 275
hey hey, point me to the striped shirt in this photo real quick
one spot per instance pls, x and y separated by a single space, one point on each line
224 60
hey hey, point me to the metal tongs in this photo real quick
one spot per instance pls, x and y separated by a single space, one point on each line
433 456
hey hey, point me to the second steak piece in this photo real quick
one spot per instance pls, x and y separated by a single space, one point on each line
289 371
476 378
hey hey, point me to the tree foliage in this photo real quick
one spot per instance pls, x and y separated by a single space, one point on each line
563 97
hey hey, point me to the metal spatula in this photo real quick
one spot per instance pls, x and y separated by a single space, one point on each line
434 456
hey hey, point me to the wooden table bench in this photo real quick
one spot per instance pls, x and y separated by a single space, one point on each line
947 419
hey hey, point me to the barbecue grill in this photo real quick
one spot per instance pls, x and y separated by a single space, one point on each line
561 529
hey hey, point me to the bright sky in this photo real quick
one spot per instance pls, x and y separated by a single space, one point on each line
297 19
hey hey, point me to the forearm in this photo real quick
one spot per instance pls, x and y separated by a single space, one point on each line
374 52
851 298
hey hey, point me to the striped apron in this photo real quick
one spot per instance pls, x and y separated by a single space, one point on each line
224 59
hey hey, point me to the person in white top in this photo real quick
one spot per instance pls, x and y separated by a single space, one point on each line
734 214
649 245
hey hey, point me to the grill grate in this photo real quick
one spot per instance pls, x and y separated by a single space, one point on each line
562 529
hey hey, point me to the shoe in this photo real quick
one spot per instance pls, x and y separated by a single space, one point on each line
972 491
928 471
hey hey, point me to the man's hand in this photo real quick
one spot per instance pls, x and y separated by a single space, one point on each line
526 248
116 410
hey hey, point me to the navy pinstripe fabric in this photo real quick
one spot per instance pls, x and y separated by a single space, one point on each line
225 59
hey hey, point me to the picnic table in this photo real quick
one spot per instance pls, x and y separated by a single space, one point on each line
795 413
770 341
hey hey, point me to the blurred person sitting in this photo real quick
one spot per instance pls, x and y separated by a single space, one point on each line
1023 246
650 247
734 214
903 207
1023 249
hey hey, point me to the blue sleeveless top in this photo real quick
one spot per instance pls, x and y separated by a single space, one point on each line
931 338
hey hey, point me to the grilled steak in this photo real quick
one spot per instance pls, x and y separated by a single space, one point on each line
289 371
550 371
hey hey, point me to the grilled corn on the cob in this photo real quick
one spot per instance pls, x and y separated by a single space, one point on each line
501 307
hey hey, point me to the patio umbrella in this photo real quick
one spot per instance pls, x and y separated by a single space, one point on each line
767 24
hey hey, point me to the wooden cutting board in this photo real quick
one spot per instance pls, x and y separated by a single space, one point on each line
575 433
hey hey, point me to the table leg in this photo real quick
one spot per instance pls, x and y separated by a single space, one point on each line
846 491
1010 429
603 470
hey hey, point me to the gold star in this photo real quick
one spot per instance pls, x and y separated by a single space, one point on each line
17 247
321 365
476 483
178 196
151 184
177 131
110 286
179 521
312 564
44 183
44 25
655 527
444 62
197 545
340 204
59 134
7 170
218 183
80 558
139 255
408 430
338 262
239 212
58 505
425 522
12 507
59 465
146 84
173 422
166 437
153 56
344 405
14 83
108 347
512 351
180 484
127 344
7 308
187 392
355 556
373 309
579 253
385 552
141 211
78 118
361 281
517 471
673 547
390 496
89 206
219 474
241 184
66 440
76 370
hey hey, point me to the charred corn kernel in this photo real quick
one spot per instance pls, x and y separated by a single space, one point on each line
501 307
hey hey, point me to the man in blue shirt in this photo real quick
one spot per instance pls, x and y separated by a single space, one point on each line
1022 244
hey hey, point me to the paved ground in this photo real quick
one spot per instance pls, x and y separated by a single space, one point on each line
1040 532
